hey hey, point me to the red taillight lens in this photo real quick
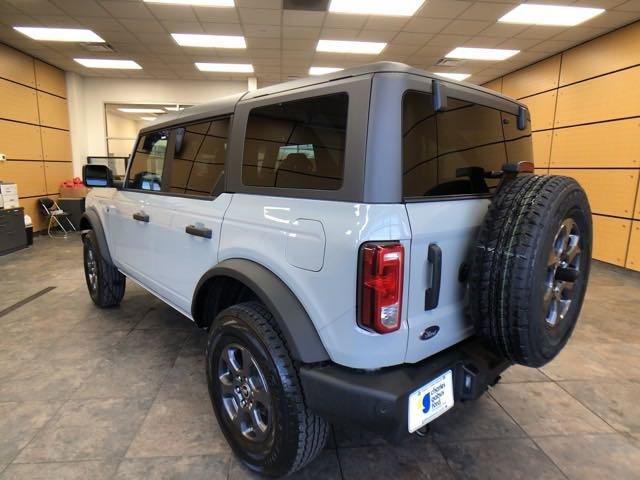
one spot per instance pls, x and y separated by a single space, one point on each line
381 273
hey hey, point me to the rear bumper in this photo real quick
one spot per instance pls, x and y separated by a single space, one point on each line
378 400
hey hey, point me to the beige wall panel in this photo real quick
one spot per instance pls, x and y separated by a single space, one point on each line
610 239
32 208
18 102
536 78
610 192
542 109
495 85
20 141
56 173
619 49
28 175
609 144
53 111
56 145
633 255
50 79
541 148
16 66
604 98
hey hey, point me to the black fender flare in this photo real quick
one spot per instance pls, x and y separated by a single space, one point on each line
93 219
295 324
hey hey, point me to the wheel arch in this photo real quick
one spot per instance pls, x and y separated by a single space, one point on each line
236 280
90 220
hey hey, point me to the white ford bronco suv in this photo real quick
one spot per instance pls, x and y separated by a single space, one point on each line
365 247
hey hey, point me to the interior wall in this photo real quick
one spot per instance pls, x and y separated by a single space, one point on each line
585 108
34 129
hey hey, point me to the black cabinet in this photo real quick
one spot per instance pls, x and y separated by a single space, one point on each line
12 232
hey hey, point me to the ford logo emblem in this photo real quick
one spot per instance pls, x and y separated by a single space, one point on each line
430 332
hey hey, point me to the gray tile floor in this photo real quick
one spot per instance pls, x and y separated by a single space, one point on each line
88 393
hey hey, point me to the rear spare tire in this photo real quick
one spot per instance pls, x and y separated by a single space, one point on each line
530 267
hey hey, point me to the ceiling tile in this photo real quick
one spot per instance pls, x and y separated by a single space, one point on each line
579 34
540 32
182 27
340 20
104 24
303 19
465 27
222 28
142 26
630 6
426 25
268 31
377 22
375 36
504 30
62 21
552 46
257 42
338 34
517 43
443 8
36 7
217 15
173 12
300 32
81 8
442 40
613 19
486 11
127 9
299 44
407 38
394 49
483 42
260 16
277 4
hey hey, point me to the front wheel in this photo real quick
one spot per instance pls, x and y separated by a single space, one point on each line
256 393
104 281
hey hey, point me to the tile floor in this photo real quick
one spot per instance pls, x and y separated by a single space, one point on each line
88 393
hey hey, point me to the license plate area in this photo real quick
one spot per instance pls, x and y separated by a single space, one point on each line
430 401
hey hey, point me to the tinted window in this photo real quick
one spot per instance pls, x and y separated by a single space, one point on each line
297 144
148 162
198 161
449 152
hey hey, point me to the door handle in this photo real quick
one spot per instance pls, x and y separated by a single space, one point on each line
141 217
198 231
434 259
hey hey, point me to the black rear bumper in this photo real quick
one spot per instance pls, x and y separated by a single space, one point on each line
378 400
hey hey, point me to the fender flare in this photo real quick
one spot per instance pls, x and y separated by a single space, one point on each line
91 216
295 324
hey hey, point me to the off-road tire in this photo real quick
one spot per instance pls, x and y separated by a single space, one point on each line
297 435
110 286
510 270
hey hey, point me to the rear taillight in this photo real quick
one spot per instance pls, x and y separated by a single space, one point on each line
380 286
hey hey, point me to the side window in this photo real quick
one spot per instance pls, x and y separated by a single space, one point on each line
148 162
448 152
198 160
298 144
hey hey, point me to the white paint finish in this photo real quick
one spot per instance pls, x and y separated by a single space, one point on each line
305 244
257 227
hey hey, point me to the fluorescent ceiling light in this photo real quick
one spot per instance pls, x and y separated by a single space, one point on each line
453 76
141 110
531 14
323 70
60 34
148 119
108 63
467 53
196 3
402 8
225 67
344 46
211 41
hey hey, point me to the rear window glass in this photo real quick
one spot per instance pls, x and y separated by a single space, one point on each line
449 152
298 144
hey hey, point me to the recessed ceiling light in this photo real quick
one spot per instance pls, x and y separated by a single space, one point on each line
108 63
403 8
531 14
453 76
323 70
196 3
148 119
141 110
211 41
344 46
60 34
225 67
468 53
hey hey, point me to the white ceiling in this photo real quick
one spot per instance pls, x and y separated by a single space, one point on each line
281 43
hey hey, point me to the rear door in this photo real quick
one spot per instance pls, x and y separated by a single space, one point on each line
445 155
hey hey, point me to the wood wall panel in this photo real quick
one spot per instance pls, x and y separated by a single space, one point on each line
53 111
542 108
20 141
50 79
18 102
609 144
56 173
637 211
619 49
29 176
633 255
56 145
610 192
495 85
534 79
541 148
610 239
610 97
16 66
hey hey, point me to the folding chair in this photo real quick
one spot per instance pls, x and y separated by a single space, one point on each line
53 211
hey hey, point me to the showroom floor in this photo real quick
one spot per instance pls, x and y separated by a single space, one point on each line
121 393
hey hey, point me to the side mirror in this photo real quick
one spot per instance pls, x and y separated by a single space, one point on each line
97 176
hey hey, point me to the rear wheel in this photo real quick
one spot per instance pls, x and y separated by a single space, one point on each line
105 283
256 393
